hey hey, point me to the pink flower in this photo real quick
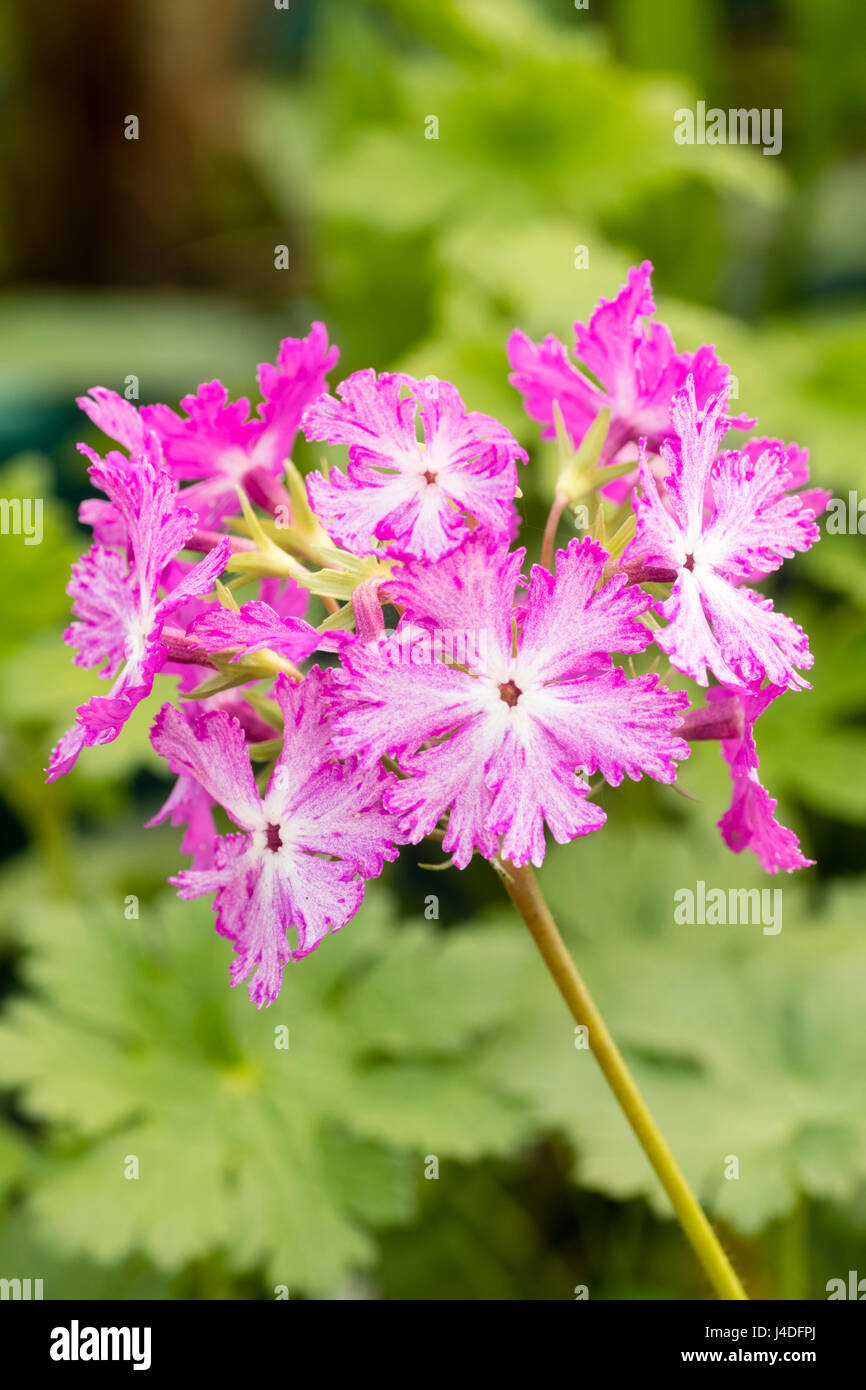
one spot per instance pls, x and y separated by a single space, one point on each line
121 421
305 848
258 626
188 803
216 443
713 620
119 614
797 465
205 631
750 822
638 368
415 494
284 599
497 712
116 417
255 627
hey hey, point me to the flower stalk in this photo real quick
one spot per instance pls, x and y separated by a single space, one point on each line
560 502
523 890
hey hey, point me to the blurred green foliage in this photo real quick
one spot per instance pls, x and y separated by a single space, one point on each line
412 1038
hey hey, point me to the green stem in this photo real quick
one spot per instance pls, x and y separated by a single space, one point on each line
794 1254
524 892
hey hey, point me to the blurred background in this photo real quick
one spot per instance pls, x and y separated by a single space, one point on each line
431 1131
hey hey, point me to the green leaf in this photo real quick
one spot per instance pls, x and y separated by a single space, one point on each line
178 1126
22 1251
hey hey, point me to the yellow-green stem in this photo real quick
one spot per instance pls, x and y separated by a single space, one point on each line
524 892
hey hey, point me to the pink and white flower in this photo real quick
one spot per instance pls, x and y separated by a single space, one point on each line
215 446
188 803
304 850
637 366
796 476
415 495
750 822
722 519
502 742
119 614
255 627
498 697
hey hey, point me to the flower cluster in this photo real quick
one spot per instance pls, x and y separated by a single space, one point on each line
499 701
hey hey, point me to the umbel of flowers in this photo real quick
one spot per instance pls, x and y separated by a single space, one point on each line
482 718
502 695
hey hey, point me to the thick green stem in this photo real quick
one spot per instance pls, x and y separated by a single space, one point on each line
524 892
